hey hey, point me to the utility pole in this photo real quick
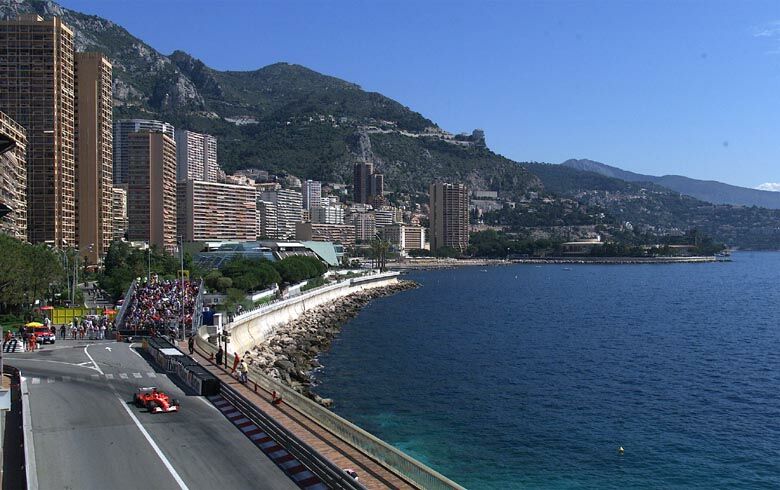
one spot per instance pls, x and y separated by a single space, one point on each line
149 270
183 292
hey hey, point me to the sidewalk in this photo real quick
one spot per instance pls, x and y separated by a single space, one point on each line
372 474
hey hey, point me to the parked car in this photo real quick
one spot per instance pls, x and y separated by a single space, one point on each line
44 335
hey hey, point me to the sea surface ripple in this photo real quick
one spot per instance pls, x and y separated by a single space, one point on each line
531 377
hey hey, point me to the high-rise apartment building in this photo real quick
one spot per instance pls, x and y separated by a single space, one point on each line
94 156
449 216
414 237
13 178
119 211
331 215
37 91
367 184
312 194
267 222
404 237
386 216
212 211
289 206
365 225
196 156
151 189
123 128
321 232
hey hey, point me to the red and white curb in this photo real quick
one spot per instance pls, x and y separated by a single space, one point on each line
286 461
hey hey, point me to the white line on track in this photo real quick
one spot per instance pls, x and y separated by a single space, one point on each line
93 361
135 420
29 449
151 442
130 346
26 359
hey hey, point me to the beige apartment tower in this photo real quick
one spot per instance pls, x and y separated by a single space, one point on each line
13 178
119 211
151 189
196 156
37 91
449 216
94 156
208 211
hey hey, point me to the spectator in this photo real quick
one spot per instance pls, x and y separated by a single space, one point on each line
157 305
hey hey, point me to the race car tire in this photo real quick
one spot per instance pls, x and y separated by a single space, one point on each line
152 405
175 402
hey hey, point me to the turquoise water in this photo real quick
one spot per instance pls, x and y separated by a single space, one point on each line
532 377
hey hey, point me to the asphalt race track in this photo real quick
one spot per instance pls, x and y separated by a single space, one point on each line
88 435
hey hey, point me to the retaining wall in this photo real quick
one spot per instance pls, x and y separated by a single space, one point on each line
255 326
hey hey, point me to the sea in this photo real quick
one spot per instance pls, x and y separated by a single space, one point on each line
524 376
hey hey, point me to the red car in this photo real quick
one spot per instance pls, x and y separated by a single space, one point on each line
155 401
44 335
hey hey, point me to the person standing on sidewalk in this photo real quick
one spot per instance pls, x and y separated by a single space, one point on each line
220 353
191 344
243 371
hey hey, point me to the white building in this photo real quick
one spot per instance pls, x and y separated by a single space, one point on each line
330 215
404 237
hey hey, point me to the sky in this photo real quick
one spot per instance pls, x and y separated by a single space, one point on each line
663 87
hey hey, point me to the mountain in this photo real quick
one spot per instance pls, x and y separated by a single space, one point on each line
284 118
705 190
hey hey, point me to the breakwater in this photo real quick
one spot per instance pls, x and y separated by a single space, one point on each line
289 354
620 260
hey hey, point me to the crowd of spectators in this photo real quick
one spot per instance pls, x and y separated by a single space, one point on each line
157 306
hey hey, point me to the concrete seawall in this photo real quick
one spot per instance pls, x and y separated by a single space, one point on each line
254 327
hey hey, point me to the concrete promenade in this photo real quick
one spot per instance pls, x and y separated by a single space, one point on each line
372 474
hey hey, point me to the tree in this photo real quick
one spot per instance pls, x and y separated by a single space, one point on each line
250 274
27 273
298 268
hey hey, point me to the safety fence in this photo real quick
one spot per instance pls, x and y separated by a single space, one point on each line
391 458
128 299
197 311
280 303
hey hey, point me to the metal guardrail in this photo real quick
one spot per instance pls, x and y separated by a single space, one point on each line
197 310
390 457
330 474
128 298
28 453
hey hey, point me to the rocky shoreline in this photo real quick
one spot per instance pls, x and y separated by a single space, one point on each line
290 353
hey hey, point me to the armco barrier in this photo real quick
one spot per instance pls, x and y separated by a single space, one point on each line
330 474
387 455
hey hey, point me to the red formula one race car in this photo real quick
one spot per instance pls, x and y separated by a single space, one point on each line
155 401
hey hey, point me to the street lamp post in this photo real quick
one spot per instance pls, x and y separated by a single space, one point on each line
183 292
